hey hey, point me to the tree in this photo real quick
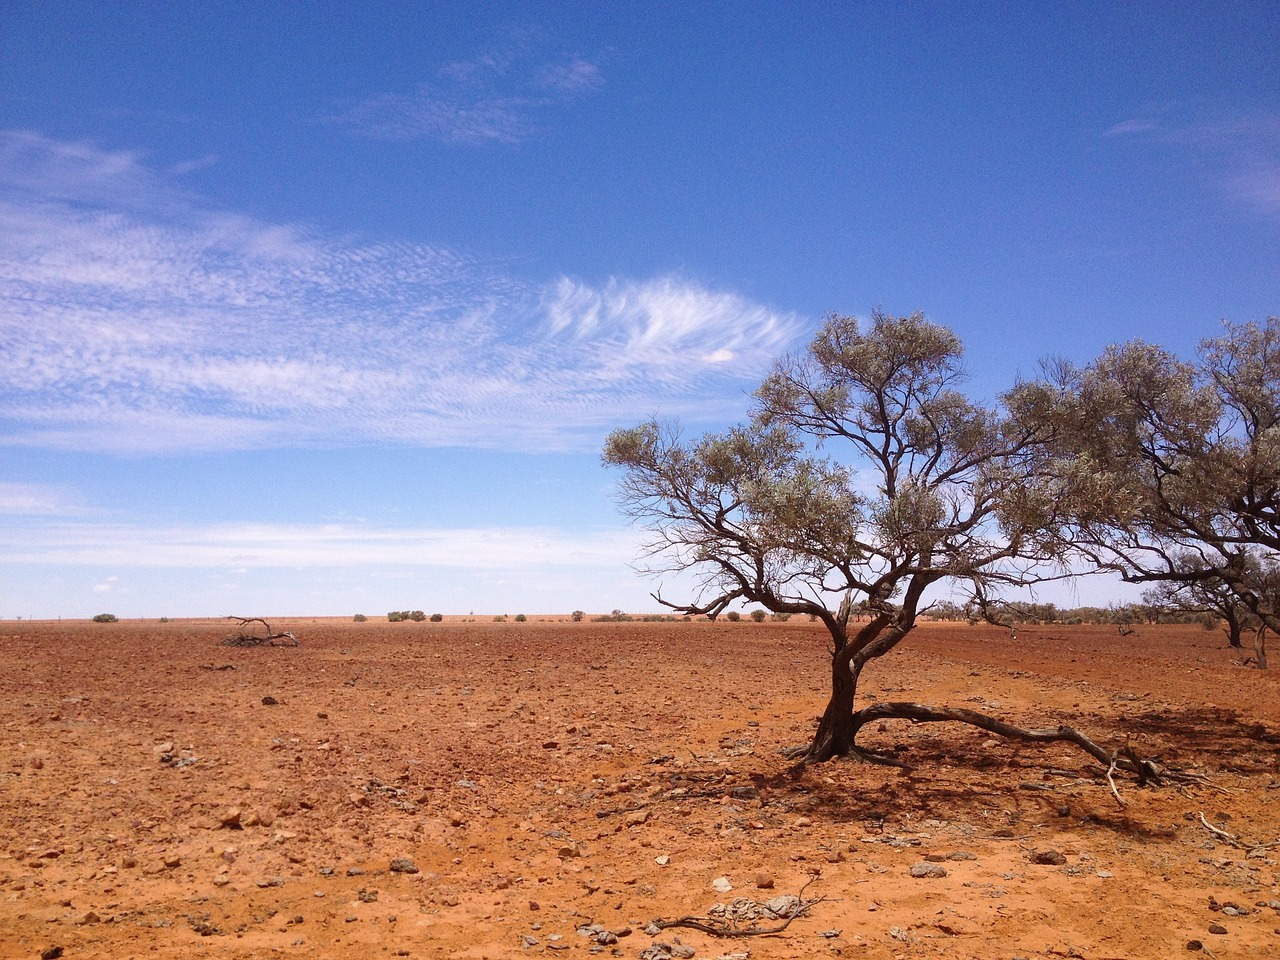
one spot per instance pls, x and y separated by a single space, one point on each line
928 488
1168 471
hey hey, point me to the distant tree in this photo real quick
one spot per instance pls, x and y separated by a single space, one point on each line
1168 471
359 618
105 618
520 618
437 617
577 616
758 616
929 489
733 616
417 616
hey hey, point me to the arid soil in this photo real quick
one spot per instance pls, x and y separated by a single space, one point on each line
550 788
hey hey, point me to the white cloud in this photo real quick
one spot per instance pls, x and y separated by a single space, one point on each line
494 97
1239 154
243 546
38 500
134 318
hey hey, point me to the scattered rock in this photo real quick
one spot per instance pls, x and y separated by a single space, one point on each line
764 881
1217 928
51 953
403 865
930 871
721 885
1048 858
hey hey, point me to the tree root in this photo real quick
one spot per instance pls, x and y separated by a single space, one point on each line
246 639
1124 759
728 928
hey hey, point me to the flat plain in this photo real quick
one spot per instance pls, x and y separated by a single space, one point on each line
481 789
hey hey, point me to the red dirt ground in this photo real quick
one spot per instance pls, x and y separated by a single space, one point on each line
546 776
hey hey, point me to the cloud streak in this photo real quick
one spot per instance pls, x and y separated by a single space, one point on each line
496 97
274 546
1240 154
136 318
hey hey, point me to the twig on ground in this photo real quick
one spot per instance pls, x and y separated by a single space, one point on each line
728 928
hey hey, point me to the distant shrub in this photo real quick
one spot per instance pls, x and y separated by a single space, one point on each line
577 616
437 617
417 616
501 618
780 617
164 619
521 618
616 617
359 618
395 616
758 616
105 618
733 616
688 619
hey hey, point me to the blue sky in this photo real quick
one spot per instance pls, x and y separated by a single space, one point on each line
324 310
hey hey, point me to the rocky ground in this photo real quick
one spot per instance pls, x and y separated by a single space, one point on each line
487 789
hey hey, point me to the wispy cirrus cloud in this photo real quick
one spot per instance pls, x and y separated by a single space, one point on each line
494 97
137 318
38 500
1241 154
268 545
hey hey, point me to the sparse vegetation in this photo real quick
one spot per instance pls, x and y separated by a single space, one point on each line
359 618
758 616
733 616
437 617
105 618
520 618
577 616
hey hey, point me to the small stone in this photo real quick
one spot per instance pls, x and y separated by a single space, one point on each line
1048 858
269 701
721 885
764 881
403 865
230 818
51 953
1194 945
1217 928
929 871
637 817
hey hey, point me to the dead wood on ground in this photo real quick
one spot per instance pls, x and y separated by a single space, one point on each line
248 637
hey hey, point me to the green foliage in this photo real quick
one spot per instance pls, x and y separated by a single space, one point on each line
436 617
780 617
398 616
577 616
417 616
164 619
105 618
758 616
501 618
359 618
520 618
733 616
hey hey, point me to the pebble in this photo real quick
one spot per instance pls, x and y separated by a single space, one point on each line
403 865
721 885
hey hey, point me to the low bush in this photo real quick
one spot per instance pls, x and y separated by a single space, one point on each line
437 617
758 616
577 616
521 618
359 618
105 618
733 616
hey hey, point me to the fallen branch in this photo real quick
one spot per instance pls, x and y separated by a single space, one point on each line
246 639
729 927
